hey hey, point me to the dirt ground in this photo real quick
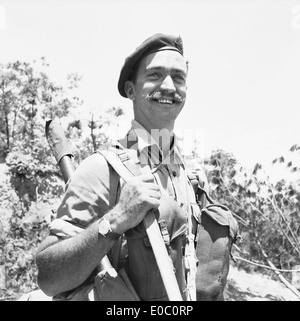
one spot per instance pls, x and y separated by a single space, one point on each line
242 286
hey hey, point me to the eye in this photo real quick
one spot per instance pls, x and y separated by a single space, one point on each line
153 75
179 78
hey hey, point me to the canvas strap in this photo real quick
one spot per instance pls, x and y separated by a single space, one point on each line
126 167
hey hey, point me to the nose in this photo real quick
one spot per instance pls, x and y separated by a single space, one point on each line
168 85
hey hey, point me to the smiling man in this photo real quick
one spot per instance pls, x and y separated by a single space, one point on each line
100 215
154 78
158 90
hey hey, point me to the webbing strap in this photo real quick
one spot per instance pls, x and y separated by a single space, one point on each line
118 165
127 167
199 187
163 260
130 163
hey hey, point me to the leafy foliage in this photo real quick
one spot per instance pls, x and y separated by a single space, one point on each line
268 213
27 98
21 231
89 135
34 175
32 181
32 184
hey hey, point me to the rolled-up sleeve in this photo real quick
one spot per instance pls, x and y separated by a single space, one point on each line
91 192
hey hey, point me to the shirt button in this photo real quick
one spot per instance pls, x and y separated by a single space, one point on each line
174 174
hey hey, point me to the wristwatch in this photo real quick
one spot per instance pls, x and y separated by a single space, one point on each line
105 230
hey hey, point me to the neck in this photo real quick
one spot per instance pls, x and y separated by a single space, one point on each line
163 134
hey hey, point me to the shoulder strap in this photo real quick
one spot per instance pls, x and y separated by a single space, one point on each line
125 167
121 162
197 179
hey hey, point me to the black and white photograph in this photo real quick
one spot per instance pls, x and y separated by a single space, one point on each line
149 151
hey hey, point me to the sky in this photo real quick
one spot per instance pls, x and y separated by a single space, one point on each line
244 63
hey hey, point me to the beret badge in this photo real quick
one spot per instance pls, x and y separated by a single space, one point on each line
179 45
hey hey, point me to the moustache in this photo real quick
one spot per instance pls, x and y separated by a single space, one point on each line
160 95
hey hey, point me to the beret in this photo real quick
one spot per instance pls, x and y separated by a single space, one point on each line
152 44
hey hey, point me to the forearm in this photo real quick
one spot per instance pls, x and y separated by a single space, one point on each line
66 264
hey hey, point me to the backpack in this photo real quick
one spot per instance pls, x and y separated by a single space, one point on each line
215 231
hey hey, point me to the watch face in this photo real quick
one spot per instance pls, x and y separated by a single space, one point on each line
105 230
104 227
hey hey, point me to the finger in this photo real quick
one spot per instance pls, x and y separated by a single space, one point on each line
153 186
154 203
155 194
147 178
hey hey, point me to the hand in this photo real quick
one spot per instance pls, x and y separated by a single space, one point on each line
138 196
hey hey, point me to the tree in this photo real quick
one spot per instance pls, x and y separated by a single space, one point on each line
33 185
33 182
27 99
89 134
268 213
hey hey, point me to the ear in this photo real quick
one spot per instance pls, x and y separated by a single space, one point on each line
129 89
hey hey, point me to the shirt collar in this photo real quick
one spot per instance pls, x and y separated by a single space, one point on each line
142 136
139 138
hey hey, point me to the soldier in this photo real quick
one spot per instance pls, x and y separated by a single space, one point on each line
100 215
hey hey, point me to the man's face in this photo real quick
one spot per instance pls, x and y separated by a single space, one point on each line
160 89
